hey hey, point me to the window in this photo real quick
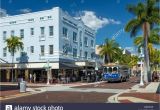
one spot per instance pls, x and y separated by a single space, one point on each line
4 35
4 52
80 38
13 22
65 32
41 18
92 43
22 33
74 37
80 53
49 17
86 41
32 31
50 49
85 55
32 49
12 33
74 52
50 30
30 20
42 50
42 30
92 55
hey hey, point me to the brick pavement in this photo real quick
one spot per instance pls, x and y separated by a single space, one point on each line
144 96
63 97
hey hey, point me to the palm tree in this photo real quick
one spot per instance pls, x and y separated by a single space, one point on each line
155 58
14 43
129 60
146 16
110 50
153 39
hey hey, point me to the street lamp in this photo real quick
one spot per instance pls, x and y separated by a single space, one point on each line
141 80
48 69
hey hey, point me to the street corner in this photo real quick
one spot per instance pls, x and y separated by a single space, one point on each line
138 98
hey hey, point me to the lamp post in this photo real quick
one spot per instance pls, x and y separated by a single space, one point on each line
48 69
141 80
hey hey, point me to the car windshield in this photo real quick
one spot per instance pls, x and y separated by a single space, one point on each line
110 70
105 69
115 70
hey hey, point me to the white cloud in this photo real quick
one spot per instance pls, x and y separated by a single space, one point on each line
91 20
25 10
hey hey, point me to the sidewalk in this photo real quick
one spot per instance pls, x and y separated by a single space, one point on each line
137 94
72 84
34 88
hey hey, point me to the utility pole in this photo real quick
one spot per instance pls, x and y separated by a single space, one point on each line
141 80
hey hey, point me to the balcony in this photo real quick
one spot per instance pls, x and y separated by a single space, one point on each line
42 38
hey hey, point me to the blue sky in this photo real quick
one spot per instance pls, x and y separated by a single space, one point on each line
108 16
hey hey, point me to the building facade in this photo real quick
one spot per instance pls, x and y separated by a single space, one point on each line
51 36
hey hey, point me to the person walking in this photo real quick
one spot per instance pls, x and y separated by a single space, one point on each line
34 77
155 76
30 78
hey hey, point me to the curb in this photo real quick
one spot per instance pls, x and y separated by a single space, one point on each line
114 98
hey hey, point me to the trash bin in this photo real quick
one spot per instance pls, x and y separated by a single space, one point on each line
19 81
88 79
81 78
23 86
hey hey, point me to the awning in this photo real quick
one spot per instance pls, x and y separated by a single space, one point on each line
7 65
67 66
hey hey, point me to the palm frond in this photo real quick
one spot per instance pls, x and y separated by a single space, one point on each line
133 26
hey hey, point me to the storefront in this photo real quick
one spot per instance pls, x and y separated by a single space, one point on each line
6 72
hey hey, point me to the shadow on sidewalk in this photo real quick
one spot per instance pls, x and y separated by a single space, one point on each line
8 87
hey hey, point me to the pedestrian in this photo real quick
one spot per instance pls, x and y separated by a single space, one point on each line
34 77
155 76
30 78
59 78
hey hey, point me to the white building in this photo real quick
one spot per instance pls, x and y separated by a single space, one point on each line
51 34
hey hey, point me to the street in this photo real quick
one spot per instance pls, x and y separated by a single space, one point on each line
97 92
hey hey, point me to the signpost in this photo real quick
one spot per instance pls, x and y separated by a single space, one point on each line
47 67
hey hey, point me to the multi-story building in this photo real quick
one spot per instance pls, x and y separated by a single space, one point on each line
52 35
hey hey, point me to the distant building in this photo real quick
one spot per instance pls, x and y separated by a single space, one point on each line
99 59
3 13
125 51
132 50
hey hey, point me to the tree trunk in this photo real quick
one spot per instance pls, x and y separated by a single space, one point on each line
146 33
108 59
12 65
